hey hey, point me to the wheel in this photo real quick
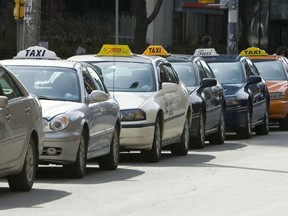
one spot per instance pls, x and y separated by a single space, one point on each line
78 168
263 129
25 180
199 141
283 124
219 137
154 154
182 148
245 133
111 160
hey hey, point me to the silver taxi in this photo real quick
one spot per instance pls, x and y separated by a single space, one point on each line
21 132
155 105
81 118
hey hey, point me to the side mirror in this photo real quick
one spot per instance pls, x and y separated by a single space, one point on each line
3 101
98 96
169 87
254 79
208 82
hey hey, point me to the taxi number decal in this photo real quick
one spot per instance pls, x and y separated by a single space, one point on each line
32 53
252 52
154 50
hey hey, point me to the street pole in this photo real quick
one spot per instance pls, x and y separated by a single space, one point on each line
31 23
116 21
232 31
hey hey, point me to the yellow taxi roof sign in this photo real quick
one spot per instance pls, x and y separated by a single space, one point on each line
253 51
36 52
115 50
155 50
205 52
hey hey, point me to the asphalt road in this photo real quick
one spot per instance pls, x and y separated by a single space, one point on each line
240 177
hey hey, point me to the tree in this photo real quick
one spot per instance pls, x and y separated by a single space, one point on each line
142 22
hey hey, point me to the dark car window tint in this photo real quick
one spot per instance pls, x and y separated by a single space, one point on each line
88 82
202 73
170 75
95 76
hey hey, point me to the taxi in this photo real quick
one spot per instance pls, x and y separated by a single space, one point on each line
207 96
155 105
274 69
21 132
247 96
81 119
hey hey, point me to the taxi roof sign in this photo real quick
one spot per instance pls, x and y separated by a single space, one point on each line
36 52
155 50
253 51
115 50
205 52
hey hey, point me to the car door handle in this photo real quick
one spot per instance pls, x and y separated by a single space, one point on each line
8 116
27 110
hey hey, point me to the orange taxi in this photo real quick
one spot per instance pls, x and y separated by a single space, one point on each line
274 70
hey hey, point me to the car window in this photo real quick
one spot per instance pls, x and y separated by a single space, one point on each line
186 73
271 70
170 74
207 69
128 76
202 72
97 79
48 82
8 86
228 72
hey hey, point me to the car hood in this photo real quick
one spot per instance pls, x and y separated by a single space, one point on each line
132 100
277 86
232 89
50 108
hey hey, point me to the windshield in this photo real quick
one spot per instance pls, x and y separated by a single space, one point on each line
228 72
186 73
128 76
271 70
53 83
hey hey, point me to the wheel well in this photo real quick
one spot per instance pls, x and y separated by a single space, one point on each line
86 133
160 115
35 138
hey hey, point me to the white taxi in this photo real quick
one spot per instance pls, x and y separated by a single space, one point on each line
155 105
81 119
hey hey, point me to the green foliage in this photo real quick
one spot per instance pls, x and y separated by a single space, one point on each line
65 36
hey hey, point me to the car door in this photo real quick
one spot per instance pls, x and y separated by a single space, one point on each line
96 117
258 92
175 104
210 95
14 122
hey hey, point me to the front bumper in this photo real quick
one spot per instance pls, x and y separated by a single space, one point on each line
278 109
64 145
136 136
235 118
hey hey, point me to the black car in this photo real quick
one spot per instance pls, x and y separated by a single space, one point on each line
208 99
247 96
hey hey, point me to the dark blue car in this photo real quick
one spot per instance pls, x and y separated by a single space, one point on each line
247 97
208 99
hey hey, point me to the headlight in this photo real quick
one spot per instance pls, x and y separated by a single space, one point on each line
133 115
232 101
58 123
277 95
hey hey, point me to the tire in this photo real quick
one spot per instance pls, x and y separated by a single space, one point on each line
154 154
245 133
111 160
25 180
263 129
199 141
78 168
219 137
182 148
283 124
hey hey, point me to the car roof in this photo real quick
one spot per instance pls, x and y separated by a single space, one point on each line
40 62
223 58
